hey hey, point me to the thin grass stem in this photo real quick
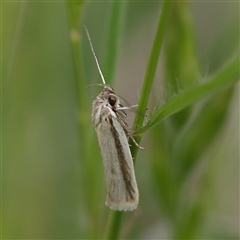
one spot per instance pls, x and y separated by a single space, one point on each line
114 225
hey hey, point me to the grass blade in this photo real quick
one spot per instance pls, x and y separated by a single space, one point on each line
152 65
113 38
114 225
225 77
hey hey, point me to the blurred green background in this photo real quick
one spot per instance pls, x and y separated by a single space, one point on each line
188 176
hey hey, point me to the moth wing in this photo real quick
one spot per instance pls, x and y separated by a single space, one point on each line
119 171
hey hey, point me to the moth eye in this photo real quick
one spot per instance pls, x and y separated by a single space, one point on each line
112 101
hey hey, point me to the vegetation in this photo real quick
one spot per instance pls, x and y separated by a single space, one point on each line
185 68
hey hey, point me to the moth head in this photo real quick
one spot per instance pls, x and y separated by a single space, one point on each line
113 100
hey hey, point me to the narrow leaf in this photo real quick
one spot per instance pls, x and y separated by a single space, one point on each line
225 77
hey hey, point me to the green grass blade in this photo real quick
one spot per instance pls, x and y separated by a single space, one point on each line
152 65
113 38
225 77
74 14
89 183
181 64
150 72
114 224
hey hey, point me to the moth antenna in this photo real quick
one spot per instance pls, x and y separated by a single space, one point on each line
94 54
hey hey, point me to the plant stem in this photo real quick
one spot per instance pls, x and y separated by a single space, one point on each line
74 13
113 38
150 73
114 225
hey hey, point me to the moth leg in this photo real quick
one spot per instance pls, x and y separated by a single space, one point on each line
142 148
127 132
126 108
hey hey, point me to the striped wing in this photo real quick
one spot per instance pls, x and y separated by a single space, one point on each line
119 171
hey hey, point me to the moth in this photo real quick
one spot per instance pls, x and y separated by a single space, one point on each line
109 119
